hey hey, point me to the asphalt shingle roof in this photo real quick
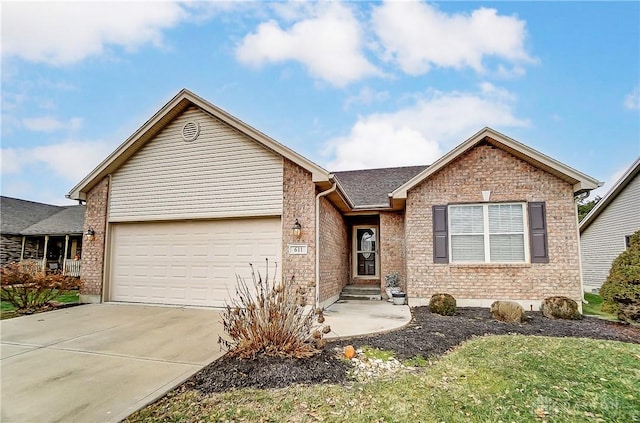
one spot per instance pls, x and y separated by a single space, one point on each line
371 187
17 215
22 217
69 220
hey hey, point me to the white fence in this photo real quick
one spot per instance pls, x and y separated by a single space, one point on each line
72 268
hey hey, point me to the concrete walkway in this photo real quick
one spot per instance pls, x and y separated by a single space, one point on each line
353 318
101 362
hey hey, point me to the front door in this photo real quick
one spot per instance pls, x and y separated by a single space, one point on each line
365 247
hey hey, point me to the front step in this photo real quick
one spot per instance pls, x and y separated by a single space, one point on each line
361 292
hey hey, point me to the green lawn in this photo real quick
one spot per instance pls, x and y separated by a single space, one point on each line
488 379
8 310
594 307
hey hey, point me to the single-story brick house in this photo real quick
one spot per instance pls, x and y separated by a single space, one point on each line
605 231
51 235
195 195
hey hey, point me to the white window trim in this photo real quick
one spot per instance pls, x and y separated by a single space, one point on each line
486 234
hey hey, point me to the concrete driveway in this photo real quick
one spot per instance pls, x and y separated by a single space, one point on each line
100 362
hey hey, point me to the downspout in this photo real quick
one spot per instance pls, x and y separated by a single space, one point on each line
584 301
322 194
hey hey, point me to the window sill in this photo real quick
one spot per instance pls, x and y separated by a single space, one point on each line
492 265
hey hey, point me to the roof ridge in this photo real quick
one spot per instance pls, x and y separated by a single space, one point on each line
30 201
380 168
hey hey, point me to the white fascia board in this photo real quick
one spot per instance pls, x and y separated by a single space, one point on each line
620 184
318 173
401 191
342 192
582 181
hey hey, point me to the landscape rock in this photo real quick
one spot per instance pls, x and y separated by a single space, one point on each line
508 311
560 308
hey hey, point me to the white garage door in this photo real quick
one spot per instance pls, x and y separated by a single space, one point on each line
189 263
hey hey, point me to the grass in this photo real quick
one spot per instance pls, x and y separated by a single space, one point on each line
375 353
7 310
594 307
493 378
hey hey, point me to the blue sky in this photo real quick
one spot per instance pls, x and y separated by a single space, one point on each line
347 84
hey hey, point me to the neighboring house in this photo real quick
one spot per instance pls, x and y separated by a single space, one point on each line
605 231
50 234
195 195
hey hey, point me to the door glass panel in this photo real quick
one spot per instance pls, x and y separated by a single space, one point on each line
366 251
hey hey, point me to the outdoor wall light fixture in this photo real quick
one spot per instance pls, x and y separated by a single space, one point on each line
297 229
91 234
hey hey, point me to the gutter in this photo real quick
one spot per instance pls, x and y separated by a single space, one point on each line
322 194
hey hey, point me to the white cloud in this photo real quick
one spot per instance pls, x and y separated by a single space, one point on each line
328 44
366 96
376 143
71 160
632 100
61 33
10 161
608 183
418 36
50 124
292 11
421 133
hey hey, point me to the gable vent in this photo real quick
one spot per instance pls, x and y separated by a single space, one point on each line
190 131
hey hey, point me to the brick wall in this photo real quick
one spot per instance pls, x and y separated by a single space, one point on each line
334 251
509 179
392 247
299 203
92 273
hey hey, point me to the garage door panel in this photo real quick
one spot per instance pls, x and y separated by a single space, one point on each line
188 263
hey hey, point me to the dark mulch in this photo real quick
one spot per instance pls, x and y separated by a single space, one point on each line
268 372
427 335
430 334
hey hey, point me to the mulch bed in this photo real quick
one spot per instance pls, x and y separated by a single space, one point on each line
427 335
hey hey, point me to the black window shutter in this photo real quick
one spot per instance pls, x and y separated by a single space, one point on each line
538 232
440 235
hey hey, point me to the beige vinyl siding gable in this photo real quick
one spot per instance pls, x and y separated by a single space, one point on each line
603 240
221 174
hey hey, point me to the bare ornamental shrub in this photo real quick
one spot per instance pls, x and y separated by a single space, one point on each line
560 308
508 311
271 319
443 304
27 288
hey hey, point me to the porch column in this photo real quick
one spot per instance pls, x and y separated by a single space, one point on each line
44 258
64 258
24 240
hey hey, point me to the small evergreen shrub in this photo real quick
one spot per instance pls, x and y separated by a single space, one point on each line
508 311
443 304
621 291
26 287
271 319
560 308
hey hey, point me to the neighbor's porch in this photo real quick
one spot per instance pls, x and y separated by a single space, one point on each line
52 253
